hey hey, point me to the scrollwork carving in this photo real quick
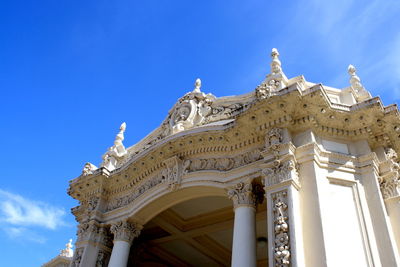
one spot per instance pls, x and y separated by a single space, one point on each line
102 258
172 173
280 172
390 183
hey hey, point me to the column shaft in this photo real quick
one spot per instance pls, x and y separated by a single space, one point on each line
120 254
244 237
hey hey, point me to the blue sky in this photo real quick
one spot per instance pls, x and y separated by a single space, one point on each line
72 71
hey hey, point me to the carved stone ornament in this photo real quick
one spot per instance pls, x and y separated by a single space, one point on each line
86 231
281 250
360 92
102 258
67 252
274 137
88 169
390 183
242 195
172 173
76 261
92 204
125 231
280 172
274 81
115 154
221 164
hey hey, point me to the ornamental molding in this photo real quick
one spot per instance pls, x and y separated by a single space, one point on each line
242 195
125 231
281 234
94 232
167 176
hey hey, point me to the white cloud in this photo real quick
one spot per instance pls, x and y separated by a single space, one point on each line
25 234
16 210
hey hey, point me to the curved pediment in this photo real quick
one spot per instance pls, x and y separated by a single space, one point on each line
203 130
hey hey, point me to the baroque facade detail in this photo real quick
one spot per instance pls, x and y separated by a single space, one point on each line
172 173
115 154
390 183
221 164
242 195
280 172
125 231
102 258
281 250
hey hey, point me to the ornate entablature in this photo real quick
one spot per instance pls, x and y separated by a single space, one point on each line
203 133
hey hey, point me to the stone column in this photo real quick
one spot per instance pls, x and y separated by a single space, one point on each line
244 231
124 233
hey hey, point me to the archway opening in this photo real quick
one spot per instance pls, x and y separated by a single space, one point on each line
196 232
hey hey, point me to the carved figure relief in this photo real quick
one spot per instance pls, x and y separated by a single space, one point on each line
281 250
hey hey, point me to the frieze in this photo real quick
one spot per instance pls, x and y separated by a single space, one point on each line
221 164
281 249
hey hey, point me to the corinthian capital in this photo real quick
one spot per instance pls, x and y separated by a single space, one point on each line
242 195
125 231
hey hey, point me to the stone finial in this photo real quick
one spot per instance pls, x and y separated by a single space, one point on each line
276 66
67 252
355 82
120 136
197 86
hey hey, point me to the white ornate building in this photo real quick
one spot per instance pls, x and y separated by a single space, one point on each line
292 173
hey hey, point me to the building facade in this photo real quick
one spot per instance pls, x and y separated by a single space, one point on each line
292 173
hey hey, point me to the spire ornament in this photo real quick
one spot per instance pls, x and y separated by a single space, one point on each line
355 82
117 152
274 81
197 86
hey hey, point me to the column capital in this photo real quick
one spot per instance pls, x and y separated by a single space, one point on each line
125 231
242 195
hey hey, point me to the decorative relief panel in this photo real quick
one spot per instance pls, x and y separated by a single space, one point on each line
242 195
221 164
281 250
125 231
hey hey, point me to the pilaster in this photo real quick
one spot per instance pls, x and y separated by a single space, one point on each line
281 185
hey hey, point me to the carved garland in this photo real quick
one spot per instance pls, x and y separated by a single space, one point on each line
102 258
281 237
77 257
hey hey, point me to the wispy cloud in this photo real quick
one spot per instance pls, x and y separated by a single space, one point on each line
18 233
17 211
